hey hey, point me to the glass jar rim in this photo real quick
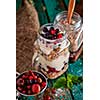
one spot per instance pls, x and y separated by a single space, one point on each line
75 14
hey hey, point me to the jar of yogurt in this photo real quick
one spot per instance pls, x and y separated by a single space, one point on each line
53 50
74 29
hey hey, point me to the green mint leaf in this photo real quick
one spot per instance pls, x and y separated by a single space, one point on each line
61 82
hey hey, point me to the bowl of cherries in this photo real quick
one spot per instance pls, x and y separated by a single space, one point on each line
31 83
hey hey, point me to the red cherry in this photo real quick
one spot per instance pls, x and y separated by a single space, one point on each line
43 84
19 88
29 92
36 88
20 81
23 91
53 91
47 98
33 74
24 76
53 31
35 77
30 77
59 36
28 86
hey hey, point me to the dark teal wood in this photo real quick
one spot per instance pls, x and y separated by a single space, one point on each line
41 11
18 4
52 7
67 2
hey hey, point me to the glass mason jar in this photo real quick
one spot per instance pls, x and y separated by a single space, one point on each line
74 30
52 50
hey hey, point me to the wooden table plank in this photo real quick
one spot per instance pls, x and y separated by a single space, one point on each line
41 11
53 7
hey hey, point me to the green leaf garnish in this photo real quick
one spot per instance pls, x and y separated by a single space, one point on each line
61 82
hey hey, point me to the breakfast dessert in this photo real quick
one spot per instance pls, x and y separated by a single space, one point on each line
74 29
30 83
52 48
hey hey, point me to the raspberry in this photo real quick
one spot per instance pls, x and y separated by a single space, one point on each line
20 81
43 84
24 76
35 77
30 77
53 31
47 97
29 92
28 86
53 91
23 91
19 88
59 36
30 72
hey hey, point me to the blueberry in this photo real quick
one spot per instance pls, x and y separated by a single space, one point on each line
57 31
45 29
31 81
59 44
46 32
51 28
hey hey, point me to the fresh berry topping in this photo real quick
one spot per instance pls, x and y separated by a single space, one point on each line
23 91
53 31
43 84
23 76
45 29
47 97
30 72
19 88
29 92
51 28
30 77
29 86
59 36
26 76
51 69
57 31
36 88
53 91
20 81
39 80
34 77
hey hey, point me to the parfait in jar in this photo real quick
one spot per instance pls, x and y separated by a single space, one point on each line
74 31
53 50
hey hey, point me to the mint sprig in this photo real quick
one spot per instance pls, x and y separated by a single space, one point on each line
67 83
